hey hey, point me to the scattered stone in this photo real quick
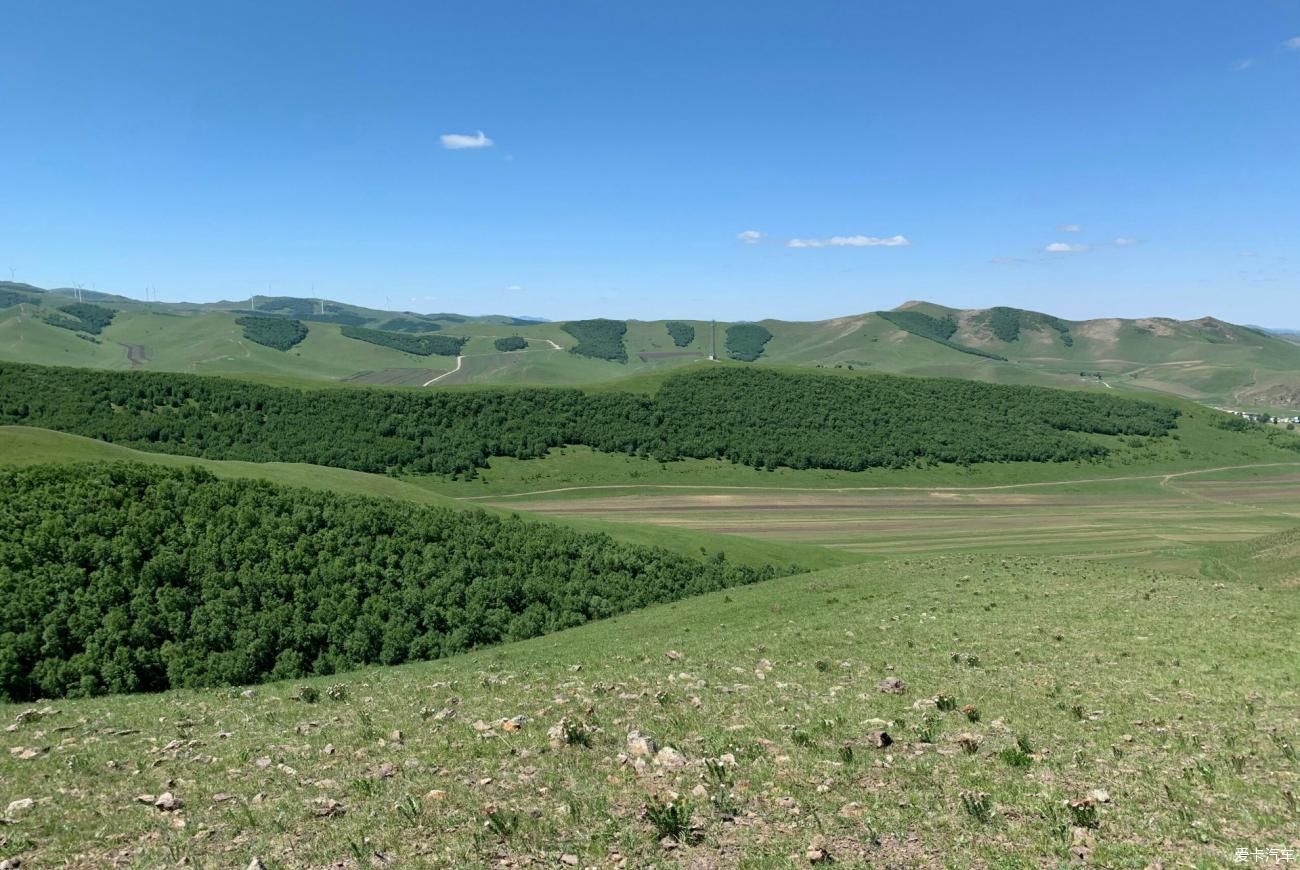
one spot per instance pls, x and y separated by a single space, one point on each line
571 860
670 759
11 863
19 806
436 794
891 685
1100 795
248 694
255 864
700 791
395 736
326 808
168 802
514 723
641 744
221 797
26 753
879 739
262 763
818 855
387 770
673 655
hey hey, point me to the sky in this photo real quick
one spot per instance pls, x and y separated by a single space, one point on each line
729 160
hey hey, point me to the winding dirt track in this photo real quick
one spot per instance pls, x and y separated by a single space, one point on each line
1163 478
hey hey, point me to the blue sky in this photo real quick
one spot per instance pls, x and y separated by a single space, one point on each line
969 153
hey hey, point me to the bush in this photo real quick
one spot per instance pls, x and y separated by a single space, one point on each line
598 339
936 329
682 334
421 345
745 341
277 333
513 342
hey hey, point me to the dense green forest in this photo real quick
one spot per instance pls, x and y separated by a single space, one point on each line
682 334
409 324
509 343
752 416
745 341
936 329
127 578
1007 323
599 338
278 333
82 317
422 345
9 298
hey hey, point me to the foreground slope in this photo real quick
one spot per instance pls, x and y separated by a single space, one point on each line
1162 706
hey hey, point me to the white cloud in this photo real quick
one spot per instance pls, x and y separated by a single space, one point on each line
514 288
1126 241
1071 228
1243 64
750 237
1065 248
459 141
1293 43
851 242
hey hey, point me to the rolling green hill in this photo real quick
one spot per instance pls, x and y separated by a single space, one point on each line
1206 360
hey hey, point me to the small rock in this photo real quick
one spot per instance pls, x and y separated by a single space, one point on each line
673 655
262 763
248 694
514 723
19 806
11 863
436 794
670 759
168 802
891 685
255 864
818 855
386 770
326 808
879 739
1100 795
571 860
221 797
700 791
395 736
641 744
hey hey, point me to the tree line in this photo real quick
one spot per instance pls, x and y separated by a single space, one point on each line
751 416
81 317
124 577
421 345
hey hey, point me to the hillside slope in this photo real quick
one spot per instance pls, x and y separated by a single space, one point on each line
1205 360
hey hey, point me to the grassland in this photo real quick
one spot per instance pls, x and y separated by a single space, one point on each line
1176 745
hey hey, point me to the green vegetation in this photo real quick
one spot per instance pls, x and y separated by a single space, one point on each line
682 334
81 317
745 341
937 329
509 343
308 309
1007 323
122 578
753 417
277 333
599 338
409 324
10 298
421 345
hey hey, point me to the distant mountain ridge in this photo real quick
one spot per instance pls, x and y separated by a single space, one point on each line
1205 359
